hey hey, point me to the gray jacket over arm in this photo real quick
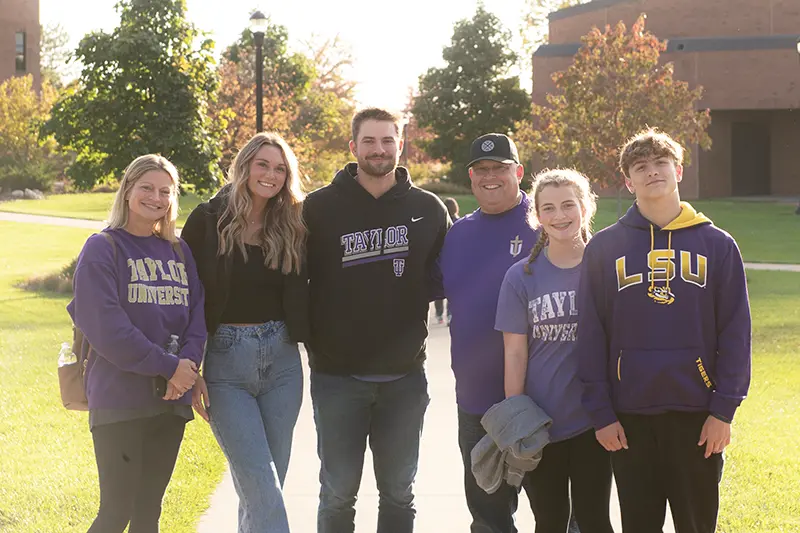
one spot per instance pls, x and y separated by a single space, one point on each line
517 432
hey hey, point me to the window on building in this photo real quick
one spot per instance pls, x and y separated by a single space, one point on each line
21 56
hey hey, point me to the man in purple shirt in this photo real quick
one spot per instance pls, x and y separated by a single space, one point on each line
477 252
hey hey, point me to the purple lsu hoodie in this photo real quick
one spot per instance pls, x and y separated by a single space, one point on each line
664 319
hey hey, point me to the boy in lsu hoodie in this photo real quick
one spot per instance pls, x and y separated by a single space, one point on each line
373 240
664 344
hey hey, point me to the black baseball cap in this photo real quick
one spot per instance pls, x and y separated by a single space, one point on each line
494 147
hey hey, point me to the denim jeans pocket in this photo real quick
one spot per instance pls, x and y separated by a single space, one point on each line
221 341
229 358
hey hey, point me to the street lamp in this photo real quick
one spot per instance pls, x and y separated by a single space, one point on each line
797 211
258 25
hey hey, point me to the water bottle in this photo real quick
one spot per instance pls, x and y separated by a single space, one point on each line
159 383
65 355
173 347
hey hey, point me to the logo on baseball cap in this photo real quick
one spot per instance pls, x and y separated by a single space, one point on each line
494 147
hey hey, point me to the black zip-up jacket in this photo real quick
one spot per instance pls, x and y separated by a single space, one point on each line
369 262
200 233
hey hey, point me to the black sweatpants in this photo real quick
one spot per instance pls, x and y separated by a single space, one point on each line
663 462
583 463
135 460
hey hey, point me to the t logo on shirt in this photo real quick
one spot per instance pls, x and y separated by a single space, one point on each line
399 267
516 246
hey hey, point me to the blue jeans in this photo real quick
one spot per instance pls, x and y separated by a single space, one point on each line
348 413
255 388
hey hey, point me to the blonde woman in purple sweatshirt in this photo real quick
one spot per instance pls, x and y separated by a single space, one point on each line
135 286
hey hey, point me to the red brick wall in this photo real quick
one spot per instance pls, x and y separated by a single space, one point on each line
758 79
748 81
785 132
15 16
687 18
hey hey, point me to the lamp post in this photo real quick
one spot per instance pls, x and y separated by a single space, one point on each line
797 211
258 25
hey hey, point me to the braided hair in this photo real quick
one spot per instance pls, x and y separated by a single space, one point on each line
583 191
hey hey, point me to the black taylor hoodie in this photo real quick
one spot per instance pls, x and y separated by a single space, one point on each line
369 264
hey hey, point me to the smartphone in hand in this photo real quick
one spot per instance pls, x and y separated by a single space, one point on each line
159 387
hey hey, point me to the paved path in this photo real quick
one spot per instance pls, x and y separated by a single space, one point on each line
439 490
98 225
54 221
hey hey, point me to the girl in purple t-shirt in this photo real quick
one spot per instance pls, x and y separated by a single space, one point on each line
538 315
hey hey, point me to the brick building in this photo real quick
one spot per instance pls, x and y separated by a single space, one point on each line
19 39
745 54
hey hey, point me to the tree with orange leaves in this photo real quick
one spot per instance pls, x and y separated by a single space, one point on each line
614 89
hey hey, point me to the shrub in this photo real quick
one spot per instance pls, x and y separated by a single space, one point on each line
59 282
432 171
444 187
39 173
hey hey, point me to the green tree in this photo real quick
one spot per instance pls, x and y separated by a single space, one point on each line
614 89
145 88
55 55
536 24
25 160
287 77
308 98
473 94
535 27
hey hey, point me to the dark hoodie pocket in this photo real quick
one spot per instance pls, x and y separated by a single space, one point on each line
652 379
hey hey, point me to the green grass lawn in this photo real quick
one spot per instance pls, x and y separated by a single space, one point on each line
48 481
767 232
90 206
761 484
48 478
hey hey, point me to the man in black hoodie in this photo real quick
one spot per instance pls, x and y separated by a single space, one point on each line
372 243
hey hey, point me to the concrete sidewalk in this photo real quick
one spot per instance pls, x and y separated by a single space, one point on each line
439 488
53 221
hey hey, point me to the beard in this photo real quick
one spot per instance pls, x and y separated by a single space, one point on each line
377 166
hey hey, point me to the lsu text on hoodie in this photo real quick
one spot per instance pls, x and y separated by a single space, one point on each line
370 262
664 319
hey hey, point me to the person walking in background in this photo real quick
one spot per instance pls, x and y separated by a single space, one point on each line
373 241
664 344
538 314
135 287
249 241
452 208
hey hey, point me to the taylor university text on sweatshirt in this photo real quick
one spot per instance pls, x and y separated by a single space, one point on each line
369 262
128 303
664 320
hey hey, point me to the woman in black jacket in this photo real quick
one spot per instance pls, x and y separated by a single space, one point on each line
249 243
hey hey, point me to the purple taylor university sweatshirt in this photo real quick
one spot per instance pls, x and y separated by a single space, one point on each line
128 302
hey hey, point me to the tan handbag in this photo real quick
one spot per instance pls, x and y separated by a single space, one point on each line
72 376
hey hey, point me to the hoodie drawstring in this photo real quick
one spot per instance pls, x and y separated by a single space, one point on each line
669 247
652 247
666 298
